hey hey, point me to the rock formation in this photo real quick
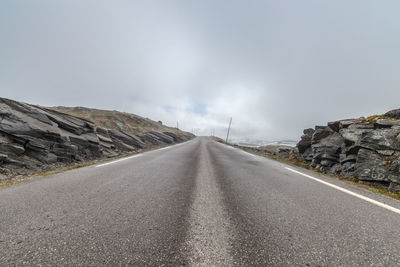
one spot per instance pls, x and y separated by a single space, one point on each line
367 149
34 138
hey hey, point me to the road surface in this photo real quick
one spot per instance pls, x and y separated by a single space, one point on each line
200 203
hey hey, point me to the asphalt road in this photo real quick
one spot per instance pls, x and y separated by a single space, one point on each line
199 203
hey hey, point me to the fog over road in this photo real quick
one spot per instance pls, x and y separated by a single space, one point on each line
196 203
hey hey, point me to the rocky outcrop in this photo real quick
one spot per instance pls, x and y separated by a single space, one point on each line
34 138
367 149
394 114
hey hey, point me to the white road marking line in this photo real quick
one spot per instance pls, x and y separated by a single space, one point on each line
244 152
118 160
377 203
138 155
168 147
249 154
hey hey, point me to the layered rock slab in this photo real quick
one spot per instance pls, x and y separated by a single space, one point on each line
367 149
34 138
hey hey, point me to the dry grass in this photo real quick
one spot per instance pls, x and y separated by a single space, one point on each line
11 182
374 189
109 119
372 119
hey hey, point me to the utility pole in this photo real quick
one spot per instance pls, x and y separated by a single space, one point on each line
229 128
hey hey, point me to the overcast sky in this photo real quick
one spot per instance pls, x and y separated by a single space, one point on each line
276 67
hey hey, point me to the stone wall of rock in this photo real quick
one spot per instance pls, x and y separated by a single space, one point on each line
33 138
366 148
280 151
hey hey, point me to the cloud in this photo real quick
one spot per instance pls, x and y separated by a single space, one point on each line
276 67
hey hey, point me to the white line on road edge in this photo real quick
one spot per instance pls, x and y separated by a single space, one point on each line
380 204
249 154
138 155
118 160
242 151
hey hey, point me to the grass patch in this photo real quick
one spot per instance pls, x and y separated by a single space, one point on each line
111 119
372 119
8 183
374 189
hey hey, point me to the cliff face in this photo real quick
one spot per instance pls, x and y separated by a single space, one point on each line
365 148
34 138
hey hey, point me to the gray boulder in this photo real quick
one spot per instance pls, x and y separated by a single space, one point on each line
163 137
152 139
384 123
381 139
320 133
367 149
174 136
125 141
395 114
334 125
13 149
352 133
370 166
327 152
343 124
304 145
